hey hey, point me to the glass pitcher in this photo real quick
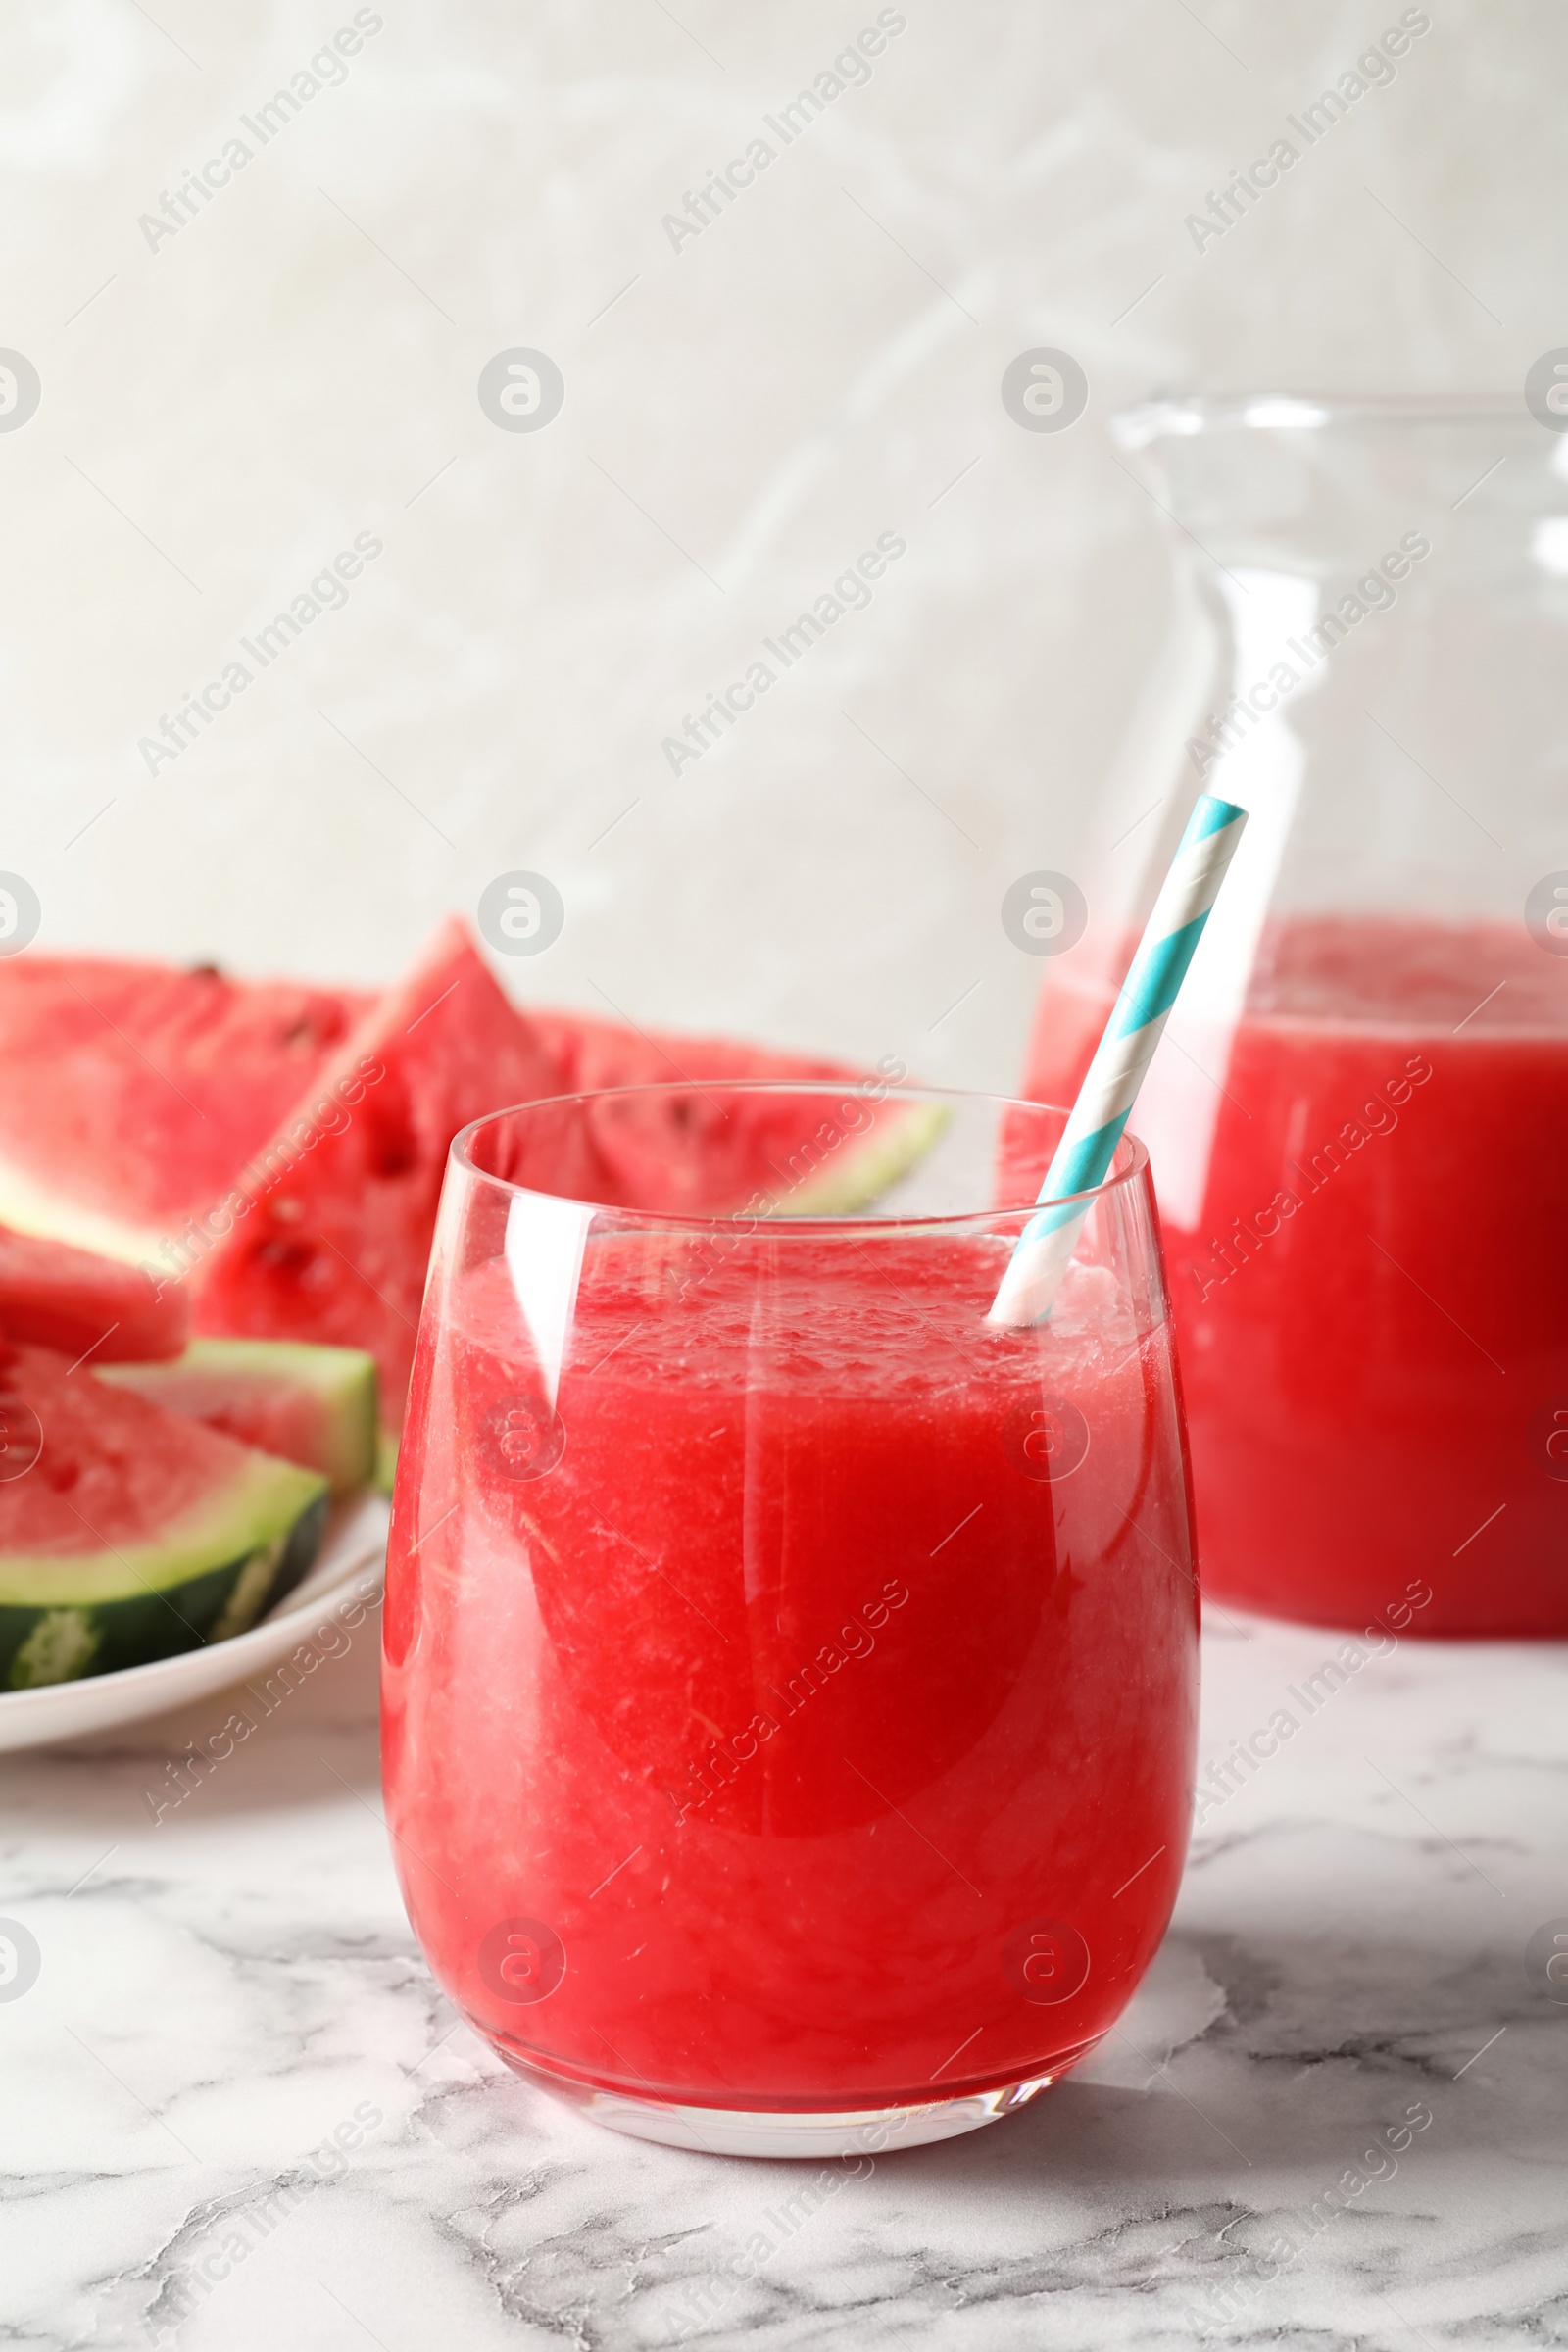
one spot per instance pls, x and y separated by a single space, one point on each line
1359 1120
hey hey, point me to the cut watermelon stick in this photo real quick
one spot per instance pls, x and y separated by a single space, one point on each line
134 1093
332 1222
57 1297
127 1534
310 1405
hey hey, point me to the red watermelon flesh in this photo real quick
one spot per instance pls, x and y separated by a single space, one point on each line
127 1534
133 1092
589 1054
204 1126
105 1468
53 1295
699 1149
332 1240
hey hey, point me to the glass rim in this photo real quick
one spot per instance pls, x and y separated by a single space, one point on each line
460 1156
1180 414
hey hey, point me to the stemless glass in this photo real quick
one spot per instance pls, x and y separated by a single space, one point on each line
790 1680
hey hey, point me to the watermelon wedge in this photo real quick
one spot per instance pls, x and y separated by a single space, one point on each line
684 1152
331 1233
589 1054
714 1149
310 1405
85 1306
277 1150
127 1534
135 1093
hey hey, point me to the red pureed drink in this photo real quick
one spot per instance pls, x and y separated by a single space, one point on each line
790 1680
1369 1265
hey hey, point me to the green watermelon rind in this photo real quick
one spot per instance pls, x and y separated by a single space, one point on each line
261 1501
387 1462
61 1640
342 1381
863 1175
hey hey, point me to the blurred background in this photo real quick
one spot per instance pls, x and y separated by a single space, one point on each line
258 328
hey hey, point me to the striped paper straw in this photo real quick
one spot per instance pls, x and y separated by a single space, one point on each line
1137 1022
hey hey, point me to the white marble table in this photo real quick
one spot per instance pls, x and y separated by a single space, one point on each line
235 2112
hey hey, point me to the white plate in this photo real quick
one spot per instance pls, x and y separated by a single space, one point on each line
352 1555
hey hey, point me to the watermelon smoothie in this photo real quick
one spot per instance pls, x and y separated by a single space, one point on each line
798 1719
1369 1292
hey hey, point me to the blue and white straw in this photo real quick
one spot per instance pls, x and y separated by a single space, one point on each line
1137 1022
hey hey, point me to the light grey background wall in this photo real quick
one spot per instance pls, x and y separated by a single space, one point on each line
226 406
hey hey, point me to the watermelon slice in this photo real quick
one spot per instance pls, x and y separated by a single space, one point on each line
135 1093
127 1534
589 1054
331 1236
58 1296
684 1152
714 1149
312 1405
278 1150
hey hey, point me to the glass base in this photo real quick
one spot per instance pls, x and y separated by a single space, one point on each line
778 2132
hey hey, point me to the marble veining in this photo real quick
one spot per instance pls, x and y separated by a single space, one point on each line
237 2111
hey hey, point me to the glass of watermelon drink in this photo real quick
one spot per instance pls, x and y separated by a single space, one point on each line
790 1680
